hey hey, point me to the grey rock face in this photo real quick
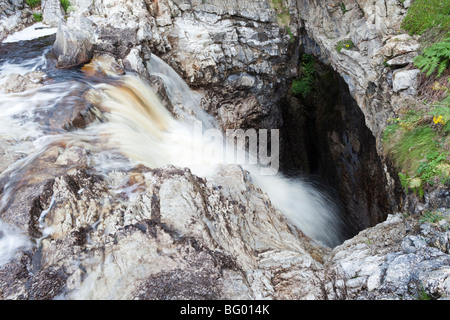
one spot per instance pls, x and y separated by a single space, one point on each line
14 16
129 236
52 12
405 79
374 29
225 240
396 259
235 53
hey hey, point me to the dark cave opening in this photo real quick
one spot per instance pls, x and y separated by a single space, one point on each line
325 138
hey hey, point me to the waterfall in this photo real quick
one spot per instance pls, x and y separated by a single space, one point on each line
135 128
142 129
311 210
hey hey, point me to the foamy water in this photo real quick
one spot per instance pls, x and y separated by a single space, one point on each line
35 31
12 241
139 125
137 129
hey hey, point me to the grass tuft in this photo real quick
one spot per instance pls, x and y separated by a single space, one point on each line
427 14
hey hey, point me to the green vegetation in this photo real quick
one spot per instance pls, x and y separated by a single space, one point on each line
283 16
291 35
37 17
435 57
431 217
65 4
427 14
33 3
423 295
303 85
418 140
343 8
344 44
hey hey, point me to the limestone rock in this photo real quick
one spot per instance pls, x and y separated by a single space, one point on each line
393 260
405 79
402 60
210 43
52 12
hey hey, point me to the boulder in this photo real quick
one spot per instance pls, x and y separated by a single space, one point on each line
405 79
402 60
74 46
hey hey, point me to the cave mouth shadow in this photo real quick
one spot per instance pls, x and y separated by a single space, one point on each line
326 141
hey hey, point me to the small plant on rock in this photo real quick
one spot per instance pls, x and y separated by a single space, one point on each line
33 3
65 4
37 17
303 85
344 44
434 58
343 8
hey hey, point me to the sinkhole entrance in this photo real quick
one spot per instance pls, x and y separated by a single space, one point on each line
325 137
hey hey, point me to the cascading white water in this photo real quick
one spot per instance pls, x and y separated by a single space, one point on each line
136 125
311 210
139 125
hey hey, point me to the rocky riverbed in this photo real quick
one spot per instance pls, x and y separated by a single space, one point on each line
168 232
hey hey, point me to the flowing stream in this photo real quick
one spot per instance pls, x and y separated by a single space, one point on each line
132 127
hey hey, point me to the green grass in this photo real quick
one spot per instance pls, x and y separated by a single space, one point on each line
65 4
416 143
431 217
427 14
414 146
33 3
423 295
37 17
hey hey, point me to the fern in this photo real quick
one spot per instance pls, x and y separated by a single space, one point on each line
435 57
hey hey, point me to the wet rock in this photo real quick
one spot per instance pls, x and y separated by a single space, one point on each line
74 46
203 242
16 83
158 86
119 29
209 44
